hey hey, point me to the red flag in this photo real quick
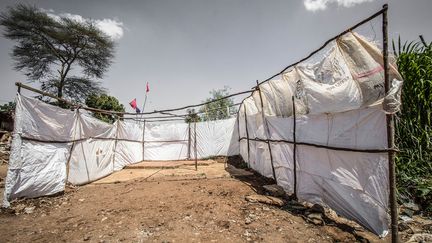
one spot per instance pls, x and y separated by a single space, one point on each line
147 88
133 104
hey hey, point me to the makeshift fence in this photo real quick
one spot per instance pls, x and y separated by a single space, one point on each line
323 131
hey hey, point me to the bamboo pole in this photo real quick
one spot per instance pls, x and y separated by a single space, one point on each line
390 133
266 130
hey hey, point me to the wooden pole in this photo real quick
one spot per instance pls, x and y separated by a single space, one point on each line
143 141
247 135
266 130
238 126
72 146
294 148
195 146
189 141
115 143
390 133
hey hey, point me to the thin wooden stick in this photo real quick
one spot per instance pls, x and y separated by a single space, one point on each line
390 133
267 131
72 146
143 141
195 146
321 146
189 141
115 144
294 148
247 135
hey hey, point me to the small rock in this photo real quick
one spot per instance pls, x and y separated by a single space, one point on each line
223 224
402 226
420 238
405 218
29 210
248 220
104 218
315 218
81 200
86 238
316 208
265 199
407 212
412 206
274 190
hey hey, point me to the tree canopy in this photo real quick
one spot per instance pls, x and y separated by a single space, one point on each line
8 107
104 102
192 116
219 109
48 50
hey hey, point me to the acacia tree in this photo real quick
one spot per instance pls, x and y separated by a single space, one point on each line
48 49
219 109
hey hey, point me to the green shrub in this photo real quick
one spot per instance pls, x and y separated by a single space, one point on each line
413 124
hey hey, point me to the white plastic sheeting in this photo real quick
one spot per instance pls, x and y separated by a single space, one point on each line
46 137
339 106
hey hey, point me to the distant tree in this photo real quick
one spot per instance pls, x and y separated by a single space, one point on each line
192 116
219 109
104 102
8 108
48 49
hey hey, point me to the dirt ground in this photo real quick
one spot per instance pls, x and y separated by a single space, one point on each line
174 204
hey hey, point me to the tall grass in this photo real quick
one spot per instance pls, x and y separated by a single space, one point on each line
413 124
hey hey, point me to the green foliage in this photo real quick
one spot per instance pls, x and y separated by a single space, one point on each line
413 124
8 108
192 116
104 102
219 109
48 49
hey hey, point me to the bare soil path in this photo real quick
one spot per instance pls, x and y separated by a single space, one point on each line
169 205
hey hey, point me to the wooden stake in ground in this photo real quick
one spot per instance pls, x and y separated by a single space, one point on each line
195 146
390 133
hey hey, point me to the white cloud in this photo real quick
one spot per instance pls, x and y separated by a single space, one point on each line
110 27
316 5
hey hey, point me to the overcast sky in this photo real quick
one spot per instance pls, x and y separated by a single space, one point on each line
185 48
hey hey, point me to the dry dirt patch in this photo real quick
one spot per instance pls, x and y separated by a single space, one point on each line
170 206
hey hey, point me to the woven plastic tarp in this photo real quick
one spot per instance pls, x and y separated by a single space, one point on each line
341 158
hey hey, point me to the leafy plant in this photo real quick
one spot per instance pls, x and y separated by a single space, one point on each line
104 102
192 116
8 108
413 124
219 109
